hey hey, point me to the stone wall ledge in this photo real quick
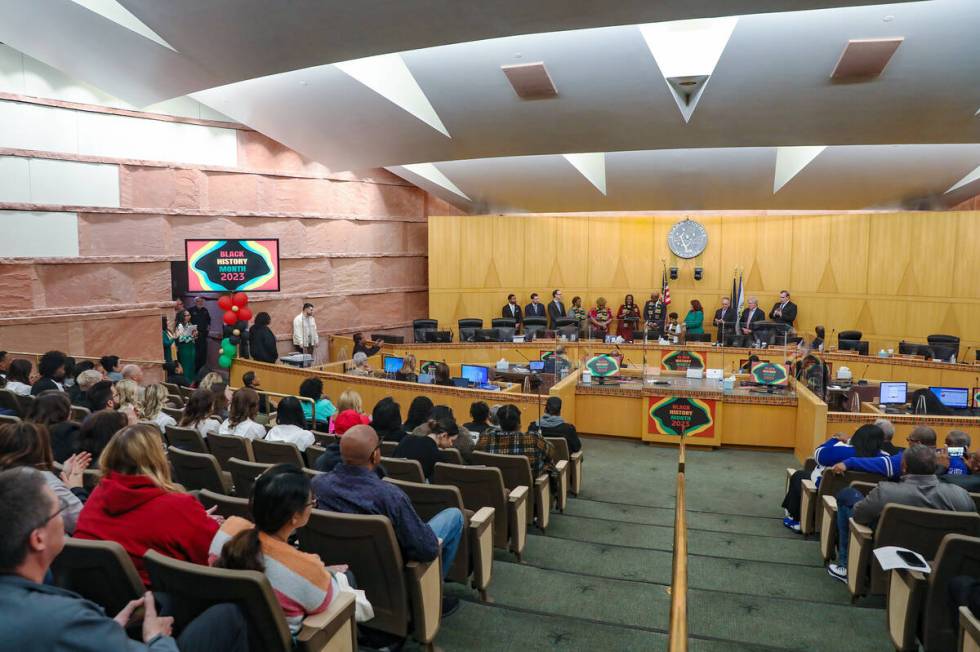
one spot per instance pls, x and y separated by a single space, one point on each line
194 212
103 260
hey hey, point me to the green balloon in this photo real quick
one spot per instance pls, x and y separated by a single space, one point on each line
229 349
224 361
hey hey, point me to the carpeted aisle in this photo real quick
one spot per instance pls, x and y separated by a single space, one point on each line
600 578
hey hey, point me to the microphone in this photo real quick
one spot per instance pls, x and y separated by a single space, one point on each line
863 380
620 352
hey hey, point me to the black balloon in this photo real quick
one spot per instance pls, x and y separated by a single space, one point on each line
234 340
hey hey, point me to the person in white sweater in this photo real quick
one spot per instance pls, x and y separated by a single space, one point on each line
197 413
154 400
291 425
241 416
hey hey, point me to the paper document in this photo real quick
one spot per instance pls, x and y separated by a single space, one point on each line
891 557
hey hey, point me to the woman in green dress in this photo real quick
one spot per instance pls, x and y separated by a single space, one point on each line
169 339
186 350
694 319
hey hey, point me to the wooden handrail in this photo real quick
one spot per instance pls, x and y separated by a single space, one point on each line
677 635
93 358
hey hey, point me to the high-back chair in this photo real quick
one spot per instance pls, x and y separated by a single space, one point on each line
172 388
537 325
175 413
830 485
324 439
227 505
474 557
574 460
187 439
969 626
243 475
175 399
78 413
468 328
198 471
451 456
225 447
915 528
516 471
483 486
918 604
402 469
100 571
421 326
311 454
195 588
388 447
406 597
8 418
826 519
808 465
277 452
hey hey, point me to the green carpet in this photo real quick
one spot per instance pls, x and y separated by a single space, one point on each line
599 578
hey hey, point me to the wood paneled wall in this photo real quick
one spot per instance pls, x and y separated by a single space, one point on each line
893 276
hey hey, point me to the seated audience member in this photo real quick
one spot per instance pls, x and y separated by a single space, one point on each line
349 400
250 380
918 487
52 410
361 367
221 396
888 428
96 431
4 363
210 379
128 393
39 616
110 366
262 339
51 368
367 347
955 464
970 481
419 412
19 377
134 373
281 503
331 456
889 466
480 413
442 375
312 388
175 374
197 413
354 488
241 417
865 443
291 425
138 506
507 439
552 425
464 442
78 393
493 415
70 373
442 433
386 418
102 396
26 444
407 372
154 400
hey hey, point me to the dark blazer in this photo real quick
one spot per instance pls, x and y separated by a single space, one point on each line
555 312
789 313
730 317
201 318
43 385
517 314
263 344
756 315
534 310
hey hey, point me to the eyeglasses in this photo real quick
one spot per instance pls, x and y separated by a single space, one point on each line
62 506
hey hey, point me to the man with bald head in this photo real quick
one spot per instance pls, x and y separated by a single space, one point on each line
354 488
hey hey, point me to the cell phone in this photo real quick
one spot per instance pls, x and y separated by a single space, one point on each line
910 558
955 451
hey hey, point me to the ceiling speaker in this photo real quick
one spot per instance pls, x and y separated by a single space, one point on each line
865 58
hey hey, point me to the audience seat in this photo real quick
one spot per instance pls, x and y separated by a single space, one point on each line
574 463
830 485
78 413
12 402
100 571
388 447
172 388
451 456
403 469
174 399
194 588
808 465
482 486
407 597
915 528
8 418
243 474
827 520
228 506
225 447
324 439
176 413
516 471
198 471
311 454
474 557
277 452
187 439
918 604
969 629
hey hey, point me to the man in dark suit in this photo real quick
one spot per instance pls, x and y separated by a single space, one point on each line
535 308
556 309
784 311
725 318
512 310
747 323
654 313
201 318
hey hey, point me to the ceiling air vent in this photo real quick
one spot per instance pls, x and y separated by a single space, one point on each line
531 81
865 58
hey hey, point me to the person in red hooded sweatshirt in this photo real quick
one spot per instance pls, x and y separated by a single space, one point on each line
138 506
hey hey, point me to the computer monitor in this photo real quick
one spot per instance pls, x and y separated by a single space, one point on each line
425 379
893 394
536 365
475 374
957 398
393 364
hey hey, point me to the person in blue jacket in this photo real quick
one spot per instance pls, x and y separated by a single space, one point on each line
889 466
955 464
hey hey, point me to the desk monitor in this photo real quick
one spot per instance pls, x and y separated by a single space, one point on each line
769 373
536 365
461 382
425 379
475 374
393 364
894 394
957 398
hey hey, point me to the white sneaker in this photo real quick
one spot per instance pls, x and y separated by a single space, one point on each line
838 572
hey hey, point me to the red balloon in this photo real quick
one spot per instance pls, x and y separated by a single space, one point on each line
244 314
230 318
224 302
240 299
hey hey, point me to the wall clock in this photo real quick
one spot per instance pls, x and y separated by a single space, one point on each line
687 239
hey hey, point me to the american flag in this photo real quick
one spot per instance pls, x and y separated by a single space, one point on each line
665 290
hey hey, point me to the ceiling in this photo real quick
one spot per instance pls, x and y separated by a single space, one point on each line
908 134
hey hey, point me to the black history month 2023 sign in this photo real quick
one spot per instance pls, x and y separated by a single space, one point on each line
682 360
232 265
673 415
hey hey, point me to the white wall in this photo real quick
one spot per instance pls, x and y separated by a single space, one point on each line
33 235
49 181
